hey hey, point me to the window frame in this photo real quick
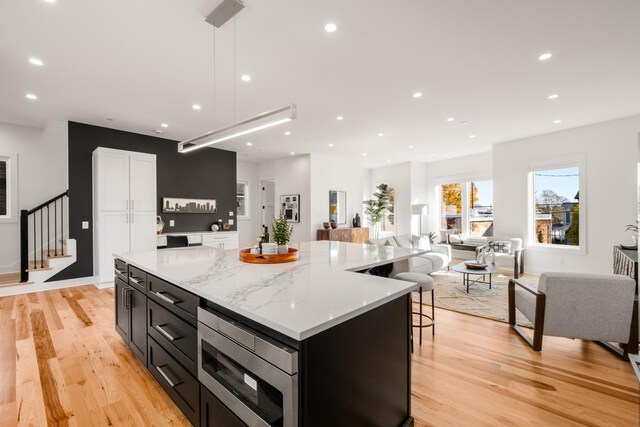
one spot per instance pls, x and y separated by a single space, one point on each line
465 180
12 188
247 206
578 161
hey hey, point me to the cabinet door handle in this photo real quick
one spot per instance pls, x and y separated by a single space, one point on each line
118 272
127 300
132 208
162 296
164 332
133 218
134 280
166 377
126 220
126 205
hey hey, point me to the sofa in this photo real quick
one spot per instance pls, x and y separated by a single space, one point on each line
437 258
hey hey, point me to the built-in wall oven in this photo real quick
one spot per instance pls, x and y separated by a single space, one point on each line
252 375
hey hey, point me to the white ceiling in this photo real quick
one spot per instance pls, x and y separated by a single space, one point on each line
145 62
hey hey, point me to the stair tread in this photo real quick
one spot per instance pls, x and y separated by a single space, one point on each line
52 256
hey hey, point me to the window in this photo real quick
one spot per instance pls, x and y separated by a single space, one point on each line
467 207
242 196
8 187
556 206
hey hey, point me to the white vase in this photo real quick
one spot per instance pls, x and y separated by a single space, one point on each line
283 249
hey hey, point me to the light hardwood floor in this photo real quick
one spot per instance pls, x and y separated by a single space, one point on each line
62 363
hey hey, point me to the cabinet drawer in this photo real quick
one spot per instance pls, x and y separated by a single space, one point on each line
174 299
213 238
138 279
213 413
120 269
175 380
178 337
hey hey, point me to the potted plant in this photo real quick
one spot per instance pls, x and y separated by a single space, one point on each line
432 236
159 224
634 229
281 233
375 208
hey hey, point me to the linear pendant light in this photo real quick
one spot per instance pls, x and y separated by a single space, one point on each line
254 124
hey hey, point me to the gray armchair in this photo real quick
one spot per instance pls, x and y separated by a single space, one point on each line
594 307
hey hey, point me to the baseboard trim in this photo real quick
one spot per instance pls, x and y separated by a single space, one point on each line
46 286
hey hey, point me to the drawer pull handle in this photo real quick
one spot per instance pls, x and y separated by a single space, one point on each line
162 296
134 280
118 272
166 377
166 333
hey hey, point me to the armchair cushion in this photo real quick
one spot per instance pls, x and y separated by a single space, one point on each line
502 246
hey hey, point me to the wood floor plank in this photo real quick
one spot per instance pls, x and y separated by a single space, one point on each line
30 404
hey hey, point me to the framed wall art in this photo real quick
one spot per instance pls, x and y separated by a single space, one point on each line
195 206
290 207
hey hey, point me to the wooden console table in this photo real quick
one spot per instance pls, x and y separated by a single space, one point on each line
347 234
625 262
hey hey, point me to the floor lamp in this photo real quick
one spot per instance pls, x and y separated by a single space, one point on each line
420 209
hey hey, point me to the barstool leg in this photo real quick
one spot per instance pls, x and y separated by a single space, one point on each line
433 313
420 290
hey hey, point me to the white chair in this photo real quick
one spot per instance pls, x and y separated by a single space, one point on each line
594 307
509 253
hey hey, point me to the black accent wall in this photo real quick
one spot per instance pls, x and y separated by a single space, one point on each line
203 174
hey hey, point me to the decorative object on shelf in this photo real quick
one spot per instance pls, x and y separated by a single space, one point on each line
356 221
247 256
192 206
376 209
220 224
338 206
475 265
290 207
282 233
634 229
214 227
326 225
420 209
432 236
226 226
486 255
333 225
159 224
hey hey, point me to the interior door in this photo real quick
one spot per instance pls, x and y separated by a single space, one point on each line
138 336
114 182
143 231
268 201
114 238
142 172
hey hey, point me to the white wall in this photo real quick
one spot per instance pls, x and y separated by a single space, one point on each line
249 228
477 166
611 151
332 173
292 176
42 174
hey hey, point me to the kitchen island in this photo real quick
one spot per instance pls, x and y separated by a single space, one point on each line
309 343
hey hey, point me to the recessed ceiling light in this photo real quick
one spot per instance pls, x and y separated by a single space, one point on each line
330 145
433 155
463 123
164 125
545 56
50 1
330 28
553 96
36 61
292 153
287 133
472 136
417 94
31 96
196 106
249 144
158 131
245 78
450 119
381 134
364 154
339 118
388 161
411 146
557 121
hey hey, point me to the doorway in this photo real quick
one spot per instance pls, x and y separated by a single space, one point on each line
267 202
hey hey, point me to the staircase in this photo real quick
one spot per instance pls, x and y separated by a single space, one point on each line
45 250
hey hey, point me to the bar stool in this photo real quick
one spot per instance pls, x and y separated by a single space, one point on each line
425 283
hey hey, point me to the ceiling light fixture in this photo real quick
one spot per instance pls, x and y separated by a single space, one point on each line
417 94
364 154
330 28
553 96
450 119
557 121
245 78
330 145
545 56
221 14
381 134
249 144
472 136
411 146
287 133
36 61
196 106
254 124
164 125
388 161
50 1
31 96
339 118
292 153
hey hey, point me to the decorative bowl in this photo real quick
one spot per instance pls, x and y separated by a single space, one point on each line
334 225
473 265
326 225
246 256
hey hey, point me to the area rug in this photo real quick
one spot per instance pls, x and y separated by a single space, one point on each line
480 301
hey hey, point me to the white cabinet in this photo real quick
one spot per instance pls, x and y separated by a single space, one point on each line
124 206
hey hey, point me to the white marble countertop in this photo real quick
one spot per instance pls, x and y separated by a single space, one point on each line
297 299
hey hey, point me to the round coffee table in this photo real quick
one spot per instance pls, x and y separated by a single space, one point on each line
468 272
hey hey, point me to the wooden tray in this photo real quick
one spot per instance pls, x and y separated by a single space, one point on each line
247 256
475 265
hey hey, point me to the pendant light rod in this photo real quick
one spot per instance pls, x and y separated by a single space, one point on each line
254 124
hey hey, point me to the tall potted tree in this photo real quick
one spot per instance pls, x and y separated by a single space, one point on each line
376 207
282 233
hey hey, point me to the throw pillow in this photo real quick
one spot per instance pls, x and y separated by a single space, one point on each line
502 246
421 243
404 241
